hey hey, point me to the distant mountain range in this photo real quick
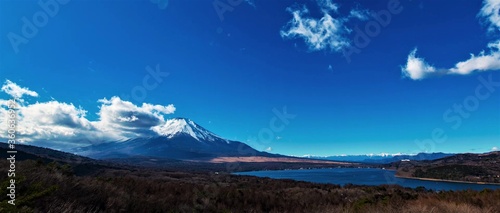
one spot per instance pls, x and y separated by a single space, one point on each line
382 158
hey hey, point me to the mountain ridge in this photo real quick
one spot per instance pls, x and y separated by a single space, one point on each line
383 157
484 167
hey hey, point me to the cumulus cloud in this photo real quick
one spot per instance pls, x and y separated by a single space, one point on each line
417 68
16 91
494 148
131 120
327 32
48 123
61 125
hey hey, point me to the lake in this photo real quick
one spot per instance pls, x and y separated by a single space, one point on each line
363 176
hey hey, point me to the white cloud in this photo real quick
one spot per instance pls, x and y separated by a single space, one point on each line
131 120
482 62
327 6
269 149
59 125
169 109
490 11
417 68
324 33
362 15
494 148
328 32
50 123
16 91
52 120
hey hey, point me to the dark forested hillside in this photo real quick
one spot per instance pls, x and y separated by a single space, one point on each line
461 167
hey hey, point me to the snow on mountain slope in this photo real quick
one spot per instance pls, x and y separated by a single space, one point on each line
178 126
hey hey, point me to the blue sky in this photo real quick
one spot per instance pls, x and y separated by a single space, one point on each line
228 66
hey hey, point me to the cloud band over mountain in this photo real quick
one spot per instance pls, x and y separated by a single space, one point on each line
60 124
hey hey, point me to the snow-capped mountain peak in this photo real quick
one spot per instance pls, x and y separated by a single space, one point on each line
178 126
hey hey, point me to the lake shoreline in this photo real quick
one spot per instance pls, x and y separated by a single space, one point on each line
368 176
444 180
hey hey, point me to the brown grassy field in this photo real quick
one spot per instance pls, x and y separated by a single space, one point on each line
258 159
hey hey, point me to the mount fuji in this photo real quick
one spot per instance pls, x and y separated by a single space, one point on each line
178 138
182 126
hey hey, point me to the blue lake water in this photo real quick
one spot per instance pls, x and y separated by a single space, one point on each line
362 176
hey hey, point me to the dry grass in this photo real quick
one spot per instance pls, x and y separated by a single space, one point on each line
435 206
